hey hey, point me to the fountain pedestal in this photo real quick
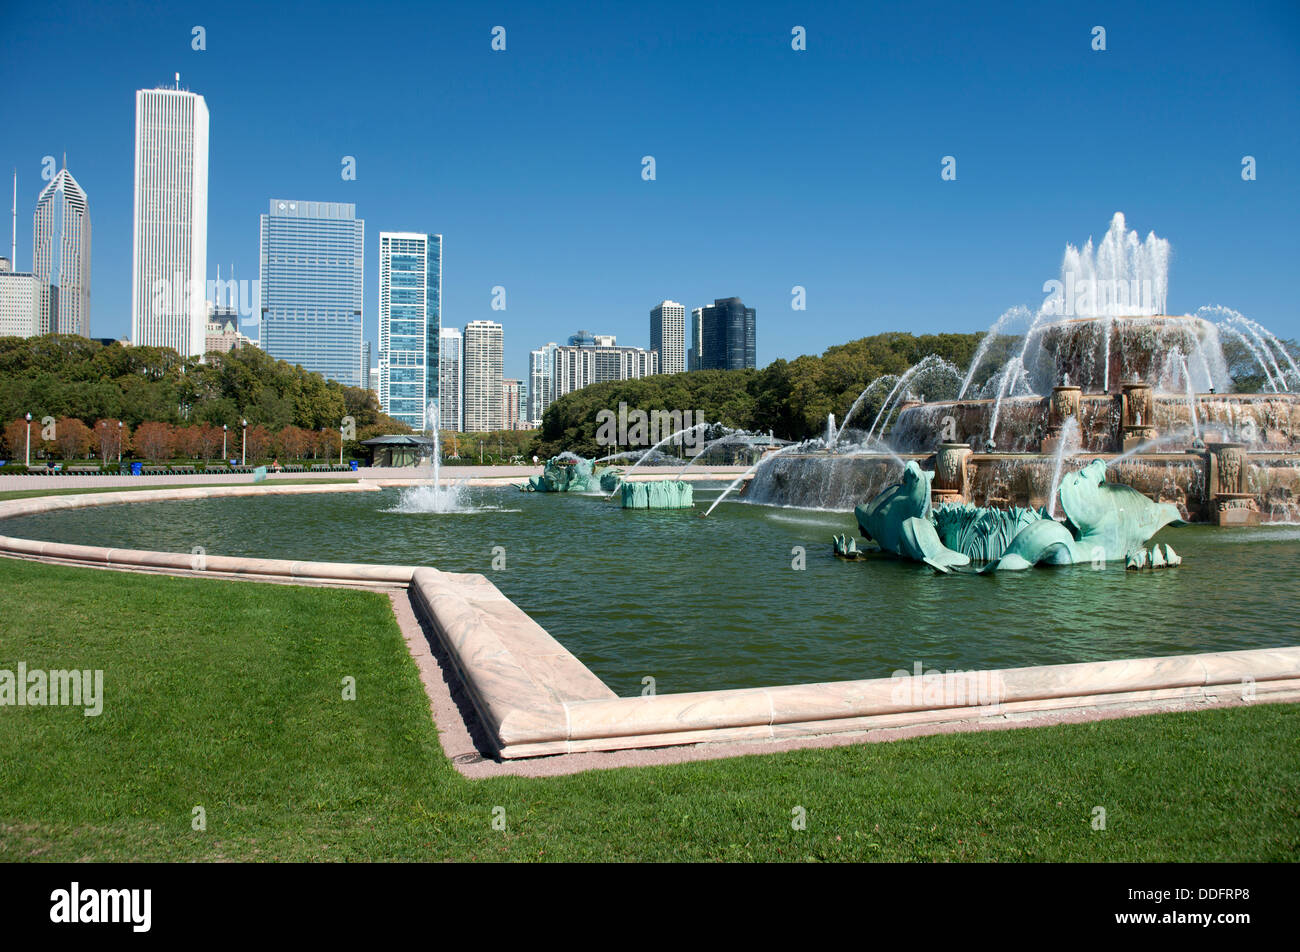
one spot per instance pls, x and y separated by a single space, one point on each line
1230 503
1136 416
1063 404
950 473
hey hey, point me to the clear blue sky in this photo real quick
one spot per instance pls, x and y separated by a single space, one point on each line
775 168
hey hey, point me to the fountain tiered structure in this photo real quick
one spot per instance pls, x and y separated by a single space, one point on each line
1098 372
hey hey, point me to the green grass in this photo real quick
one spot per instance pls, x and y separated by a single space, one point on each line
227 695
54 489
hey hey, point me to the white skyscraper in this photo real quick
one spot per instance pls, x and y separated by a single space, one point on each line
668 336
17 302
170 245
451 380
61 257
540 364
484 357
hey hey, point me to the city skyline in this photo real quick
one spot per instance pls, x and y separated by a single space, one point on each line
845 197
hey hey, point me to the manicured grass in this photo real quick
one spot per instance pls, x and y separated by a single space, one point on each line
227 695
55 490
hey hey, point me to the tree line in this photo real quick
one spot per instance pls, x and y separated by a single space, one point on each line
791 398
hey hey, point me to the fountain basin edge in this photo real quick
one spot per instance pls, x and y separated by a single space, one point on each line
536 698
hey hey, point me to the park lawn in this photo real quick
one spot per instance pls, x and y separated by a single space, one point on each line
227 695
55 491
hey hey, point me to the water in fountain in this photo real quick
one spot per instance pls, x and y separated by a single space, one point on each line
1013 371
1146 446
432 496
710 444
1191 395
830 429
1068 443
757 463
1123 276
1017 314
934 365
881 381
646 454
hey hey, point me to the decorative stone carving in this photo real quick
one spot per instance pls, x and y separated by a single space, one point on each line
1064 404
1137 414
950 480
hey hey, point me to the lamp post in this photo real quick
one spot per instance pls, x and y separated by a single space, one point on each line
29 441
243 454
224 430
340 446
119 445
480 452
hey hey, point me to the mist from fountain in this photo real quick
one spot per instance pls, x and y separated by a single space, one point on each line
432 496
646 454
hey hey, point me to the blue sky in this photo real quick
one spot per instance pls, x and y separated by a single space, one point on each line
774 168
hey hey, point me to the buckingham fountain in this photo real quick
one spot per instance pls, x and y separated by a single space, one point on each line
1099 372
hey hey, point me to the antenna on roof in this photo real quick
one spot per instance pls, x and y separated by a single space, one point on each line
13 245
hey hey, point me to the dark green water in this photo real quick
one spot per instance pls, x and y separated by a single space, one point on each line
714 603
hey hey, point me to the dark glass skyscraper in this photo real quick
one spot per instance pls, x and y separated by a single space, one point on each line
727 335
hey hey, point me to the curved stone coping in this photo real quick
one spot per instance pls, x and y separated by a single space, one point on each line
180 562
535 698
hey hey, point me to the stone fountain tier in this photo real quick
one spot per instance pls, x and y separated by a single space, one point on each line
1108 423
1101 354
1222 484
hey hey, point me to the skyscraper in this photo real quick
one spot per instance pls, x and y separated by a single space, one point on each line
695 352
484 348
451 384
410 324
312 269
668 336
169 254
540 364
727 335
510 392
17 301
61 257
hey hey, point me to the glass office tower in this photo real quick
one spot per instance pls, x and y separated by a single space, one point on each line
410 320
312 268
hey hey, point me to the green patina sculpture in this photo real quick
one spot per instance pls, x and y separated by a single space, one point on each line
610 479
564 474
1104 522
659 494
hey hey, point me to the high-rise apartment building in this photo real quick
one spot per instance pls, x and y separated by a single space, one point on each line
61 257
576 367
410 325
540 364
169 253
727 335
312 269
484 356
451 384
511 390
668 336
17 301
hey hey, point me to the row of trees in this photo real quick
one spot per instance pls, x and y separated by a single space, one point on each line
790 398
66 375
110 440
